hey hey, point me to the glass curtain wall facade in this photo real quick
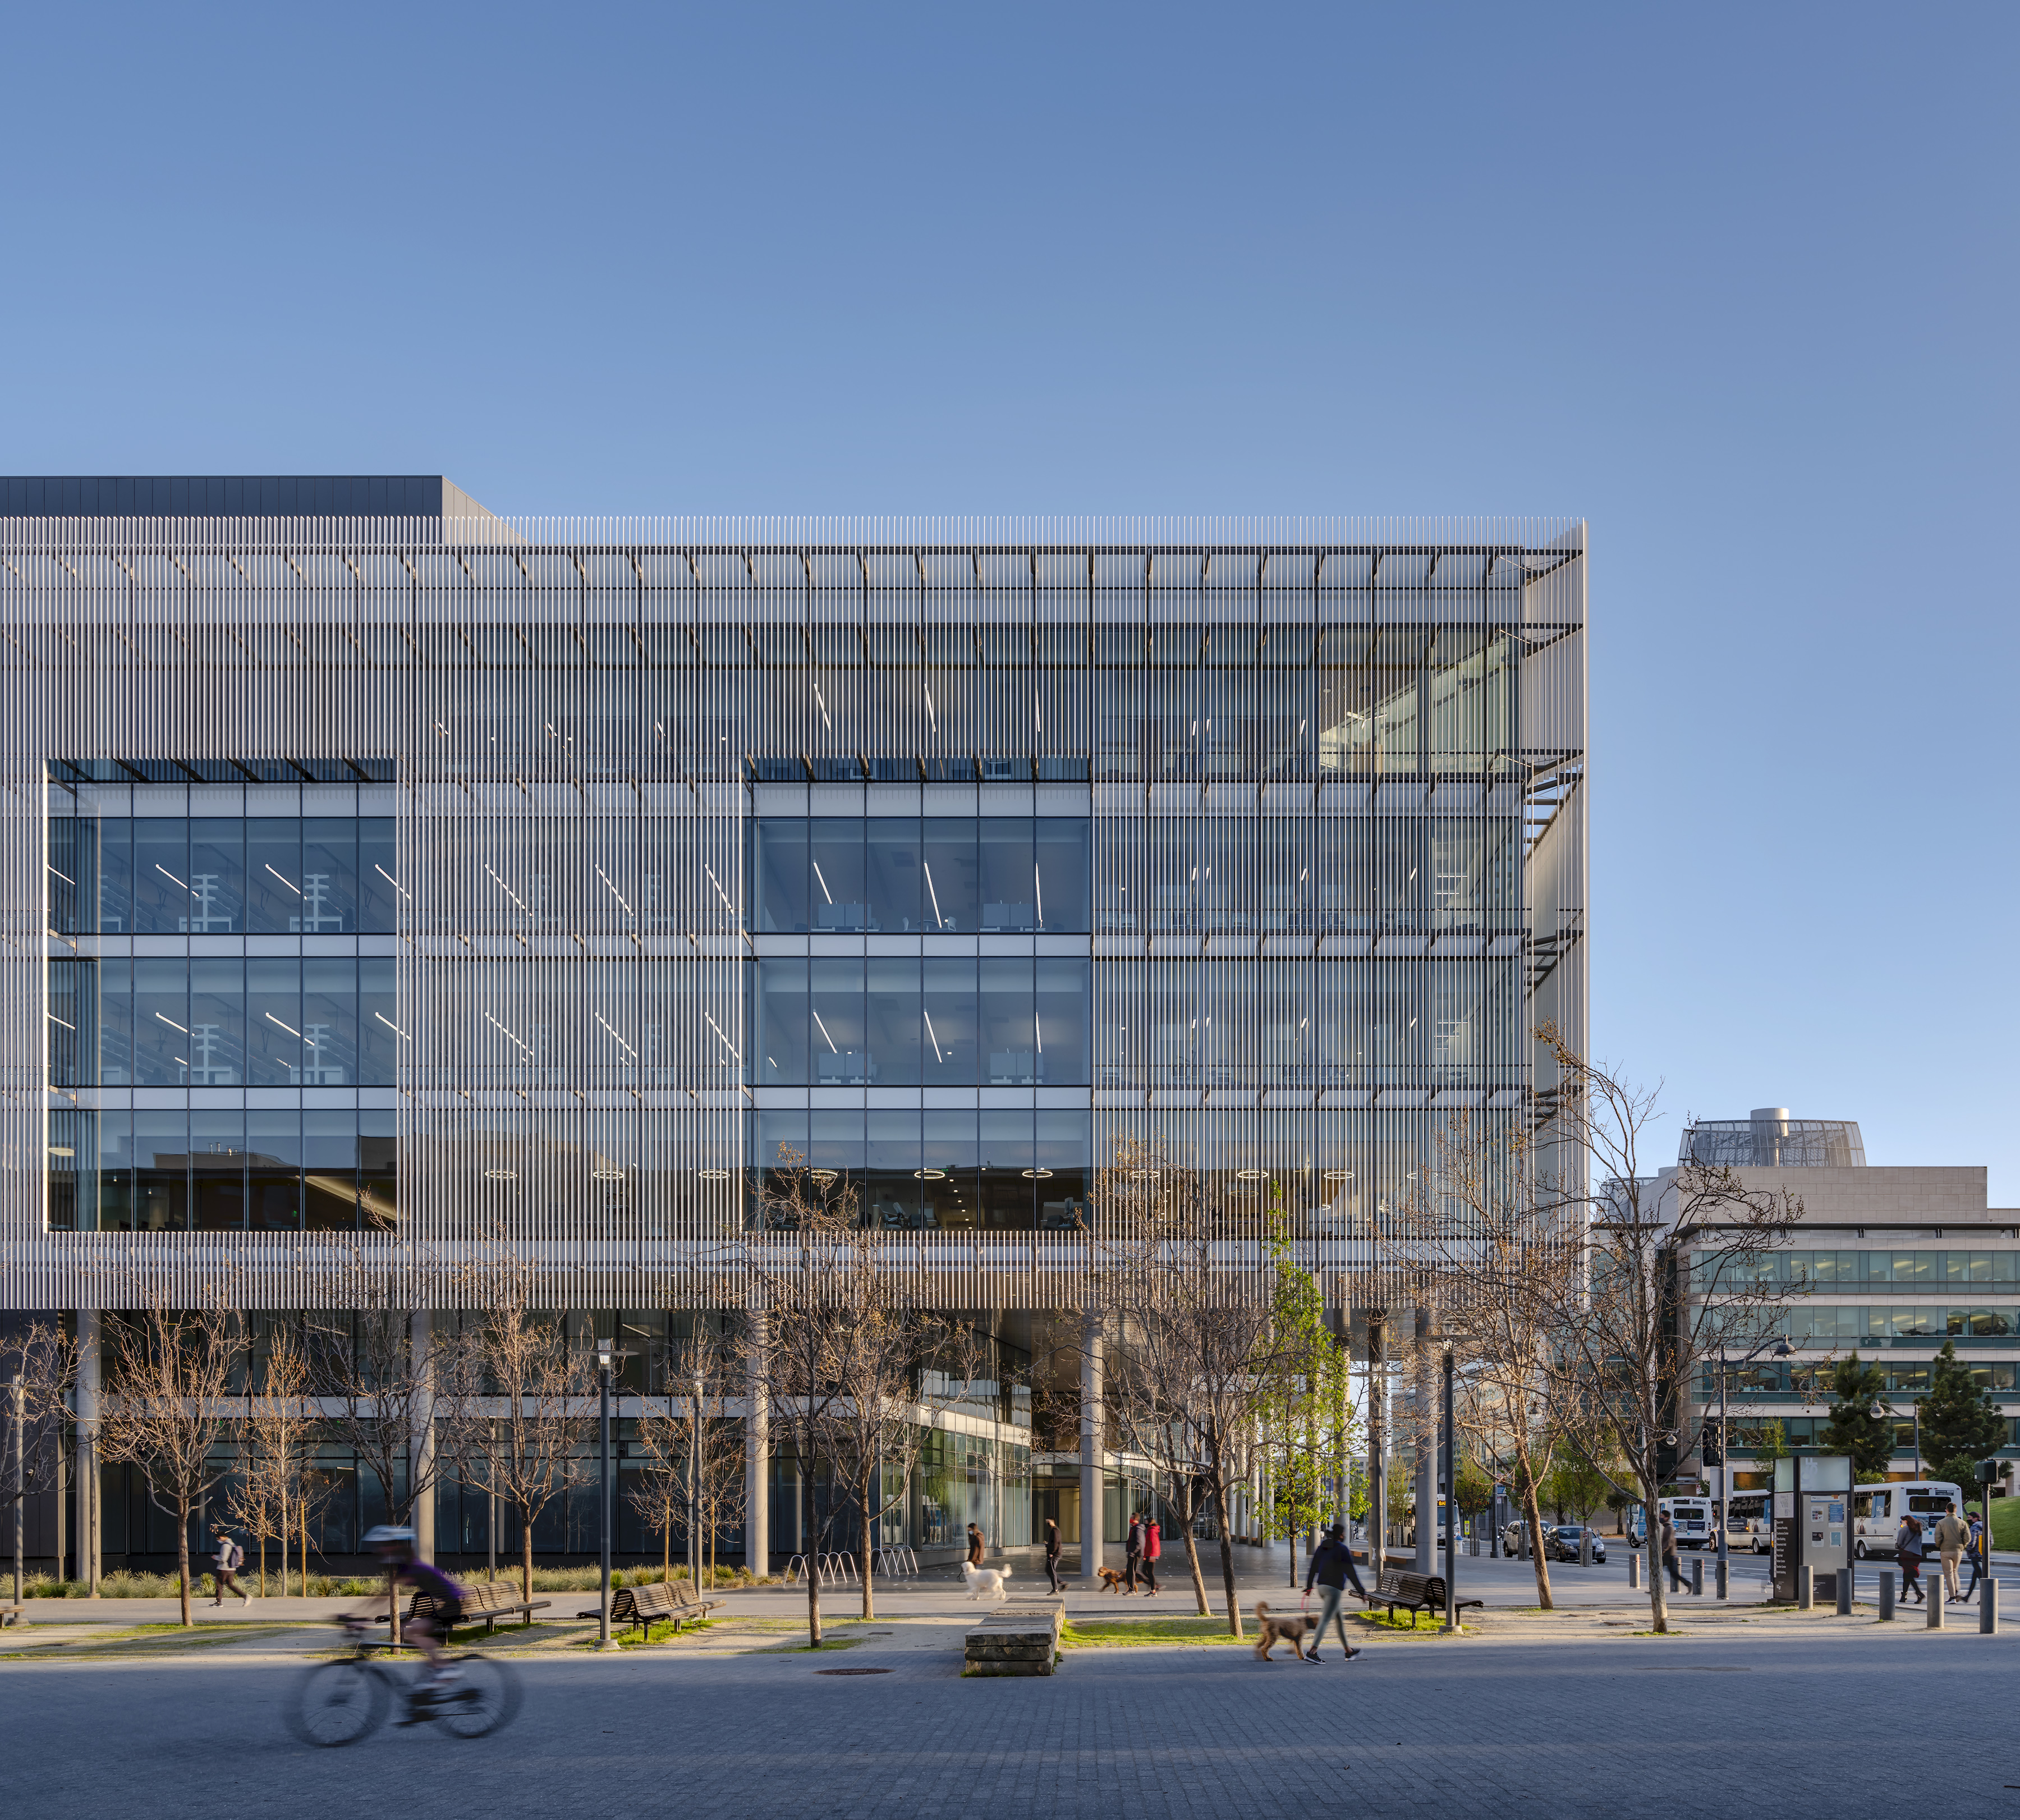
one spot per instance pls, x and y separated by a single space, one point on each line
388 880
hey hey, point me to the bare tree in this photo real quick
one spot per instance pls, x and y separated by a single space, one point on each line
1473 1239
1194 1348
855 1376
1673 1272
38 1368
692 1450
390 1387
526 1442
165 1410
279 1481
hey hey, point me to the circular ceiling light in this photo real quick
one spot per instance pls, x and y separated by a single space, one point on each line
713 1174
826 1177
929 1174
1251 1175
501 1175
1338 1176
607 1175
1037 1175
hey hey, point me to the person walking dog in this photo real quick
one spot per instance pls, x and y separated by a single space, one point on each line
1332 1567
1153 1546
1132 1553
978 1545
227 1559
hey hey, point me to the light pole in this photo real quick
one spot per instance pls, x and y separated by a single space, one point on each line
17 1399
694 1487
1780 1350
1452 1502
605 1354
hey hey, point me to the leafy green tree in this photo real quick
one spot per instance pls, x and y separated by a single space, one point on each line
1861 1420
1770 1443
1961 1424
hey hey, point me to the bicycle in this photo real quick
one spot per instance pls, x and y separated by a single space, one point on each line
339 1701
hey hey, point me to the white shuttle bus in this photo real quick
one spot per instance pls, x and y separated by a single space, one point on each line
1696 1520
1876 1511
1749 1522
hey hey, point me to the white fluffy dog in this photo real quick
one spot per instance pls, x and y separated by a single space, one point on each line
985 1582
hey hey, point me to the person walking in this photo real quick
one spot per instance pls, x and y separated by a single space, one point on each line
1974 1552
1907 1550
1153 1547
1666 1537
1132 1552
1951 1535
1332 1567
978 1545
1052 1552
227 1558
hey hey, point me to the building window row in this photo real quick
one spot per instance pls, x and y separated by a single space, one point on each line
222 1169
933 874
899 1021
1830 1325
1805 1432
328 1020
223 875
1917 1269
1809 1382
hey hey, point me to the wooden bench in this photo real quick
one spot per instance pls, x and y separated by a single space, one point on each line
14 1614
489 1600
642 1606
1414 1593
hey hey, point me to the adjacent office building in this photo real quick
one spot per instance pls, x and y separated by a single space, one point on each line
385 873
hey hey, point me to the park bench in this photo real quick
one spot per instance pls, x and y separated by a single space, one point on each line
489 1600
1414 1593
643 1606
13 1615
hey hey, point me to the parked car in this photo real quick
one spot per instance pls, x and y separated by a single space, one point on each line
1562 1542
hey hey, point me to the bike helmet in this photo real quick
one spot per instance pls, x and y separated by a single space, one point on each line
386 1532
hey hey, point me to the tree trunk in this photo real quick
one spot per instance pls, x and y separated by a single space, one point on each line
666 1552
869 1562
1192 1563
1533 1518
1659 1599
811 1558
1226 1554
525 1555
182 1556
262 1563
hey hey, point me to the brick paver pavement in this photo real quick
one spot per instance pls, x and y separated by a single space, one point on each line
1540 1717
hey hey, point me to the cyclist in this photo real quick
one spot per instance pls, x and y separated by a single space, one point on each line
394 1546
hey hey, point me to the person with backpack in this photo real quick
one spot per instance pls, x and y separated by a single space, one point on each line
1153 1547
227 1559
1908 1551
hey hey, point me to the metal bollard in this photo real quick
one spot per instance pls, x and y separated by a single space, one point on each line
1697 1576
1988 1606
1844 1591
1633 1570
1723 1577
1805 1581
1936 1603
1886 1595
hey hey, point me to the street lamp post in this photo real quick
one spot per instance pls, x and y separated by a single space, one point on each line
606 1354
1451 1503
694 1489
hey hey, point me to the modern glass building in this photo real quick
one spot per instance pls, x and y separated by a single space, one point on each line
384 873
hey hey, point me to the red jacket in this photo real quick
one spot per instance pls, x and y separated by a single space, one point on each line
1152 1545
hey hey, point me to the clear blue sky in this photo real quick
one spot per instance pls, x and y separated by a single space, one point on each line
1735 282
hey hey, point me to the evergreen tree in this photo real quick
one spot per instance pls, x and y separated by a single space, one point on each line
1961 1424
1855 1429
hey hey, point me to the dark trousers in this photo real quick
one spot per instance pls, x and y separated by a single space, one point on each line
1676 1571
1053 1568
1132 1565
1149 1573
1911 1577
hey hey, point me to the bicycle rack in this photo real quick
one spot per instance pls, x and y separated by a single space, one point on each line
837 1570
895 1564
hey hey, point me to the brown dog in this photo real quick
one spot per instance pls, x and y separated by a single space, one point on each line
1290 1627
1111 1581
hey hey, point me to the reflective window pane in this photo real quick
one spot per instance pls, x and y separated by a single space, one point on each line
948 1022
273 874
948 870
1059 861
217 1167
893 1027
329 1021
839 1042
216 876
330 876
781 876
160 875
216 1022
377 1023
379 881
274 1169
275 1052
161 1023
1006 877
782 1028
160 1174
834 858
891 874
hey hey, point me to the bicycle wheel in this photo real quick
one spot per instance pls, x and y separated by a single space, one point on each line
484 1699
337 1703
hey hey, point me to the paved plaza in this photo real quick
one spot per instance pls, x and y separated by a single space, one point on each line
1572 1714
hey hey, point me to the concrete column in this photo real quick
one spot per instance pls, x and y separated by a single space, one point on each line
1424 1431
90 1378
421 1337
758 1457
1091 1462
